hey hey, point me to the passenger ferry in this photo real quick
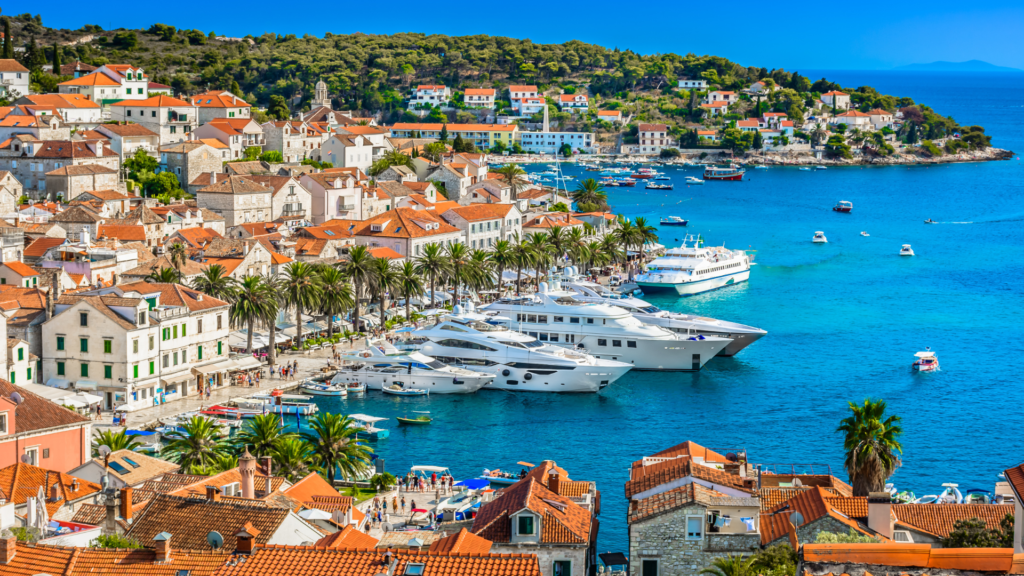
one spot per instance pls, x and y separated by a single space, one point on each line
728 173
693 268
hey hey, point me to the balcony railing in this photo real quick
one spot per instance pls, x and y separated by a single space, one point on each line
346 207
290 213
168 313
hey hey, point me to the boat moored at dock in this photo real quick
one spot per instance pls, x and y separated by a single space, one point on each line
728 173
693 268
380 365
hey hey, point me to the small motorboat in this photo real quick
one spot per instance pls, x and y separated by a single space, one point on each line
674 221
693 180
906 250
930 221
415 420
819 238
978 496
652 186
843 206
865 234
760 167
951 495
929 499
323 389
399 389
926 361
820 168
355 387
805 169
663 178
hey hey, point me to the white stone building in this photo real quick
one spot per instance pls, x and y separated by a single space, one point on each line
479 98
110 84
239 199
653 138
485 224
235 133
430 95
14 78
219 104
171 118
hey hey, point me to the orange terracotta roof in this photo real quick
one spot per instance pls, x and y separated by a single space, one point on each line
912 557
20 481
479 91
198 237
564 521
652 128
218 99
214 143
571 97
813 504
670 500
175 295
385 252
475 212
715 104
463 541
312 485
456 127
1015 476
405 223
644 478
551 220
430 87
21 269
33 559
39 246
940 520
522 88
94 79
609 113
191 519
879 112
158 101
853 114
835 93
125 233
348 538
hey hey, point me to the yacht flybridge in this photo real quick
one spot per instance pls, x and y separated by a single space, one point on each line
693 268
689 324
556 316
381 364
515 361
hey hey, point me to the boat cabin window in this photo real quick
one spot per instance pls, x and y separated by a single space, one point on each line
558 319
574 320
567 301
485 327
453 343
650 309
542 318
590 320
512 344
452 328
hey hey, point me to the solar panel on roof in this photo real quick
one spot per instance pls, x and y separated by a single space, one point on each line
399 229
133 463
118 468
328 232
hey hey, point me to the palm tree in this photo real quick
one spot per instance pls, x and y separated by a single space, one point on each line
872 446
590 191
522 256
261 435
337 295
384 278
458 258
731 565
433 264
818 134
502 258
115 441
626 235
200 446
221 463
333 441
410 284
540 254
163 276
302 291
274 304
645 233
178 256
250 305
515 177
480 271
557 240
214 283
576 245
610 246
359 269
293 459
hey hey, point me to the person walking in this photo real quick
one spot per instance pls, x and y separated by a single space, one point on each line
403 504
394 503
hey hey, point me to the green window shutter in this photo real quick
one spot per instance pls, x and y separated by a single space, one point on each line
12 376
60 342
108 346
60 368
200 355
83 344
136 371
21 353
220 348
28 374
175 331
108 372
152 368
85 370
183 328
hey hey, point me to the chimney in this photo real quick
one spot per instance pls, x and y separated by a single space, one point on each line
246 539
247 468
213 178
8 546
213 494
267 461
163 547
126 504
554 481
879 513
245 248
55 492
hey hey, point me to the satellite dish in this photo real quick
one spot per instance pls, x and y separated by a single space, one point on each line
797 482
104 450
17 398
731 457
796 518
25 458
214 539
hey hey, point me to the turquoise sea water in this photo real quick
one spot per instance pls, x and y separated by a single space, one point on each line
844 320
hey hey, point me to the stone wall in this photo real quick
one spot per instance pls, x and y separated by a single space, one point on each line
663 538
548 554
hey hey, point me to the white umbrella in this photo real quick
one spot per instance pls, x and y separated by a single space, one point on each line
434 312
71 401
87 398
43 514
314 514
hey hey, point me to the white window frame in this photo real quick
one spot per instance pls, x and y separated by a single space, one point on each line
553 560
700 521
4 419
33 450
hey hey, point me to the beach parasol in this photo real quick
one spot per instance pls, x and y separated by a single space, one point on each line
527 464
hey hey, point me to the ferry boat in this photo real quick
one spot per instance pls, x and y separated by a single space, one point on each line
606 332
731 172
926 361
674 221
693 268
276 402
843 206
819 238
644 173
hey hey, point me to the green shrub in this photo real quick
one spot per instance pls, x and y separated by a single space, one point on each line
930 148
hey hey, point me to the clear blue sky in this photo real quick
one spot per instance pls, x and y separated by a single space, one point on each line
873 34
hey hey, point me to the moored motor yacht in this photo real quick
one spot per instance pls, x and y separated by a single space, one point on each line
381 365
689 324
518 361
843 206
926 361
694 268
819 238
906 250
555 315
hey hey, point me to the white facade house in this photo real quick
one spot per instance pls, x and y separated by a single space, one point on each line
531 106
517 93
726 96
551 142
573 102
110 83
430 95
125 139
235 133
485 224
853 119
653 138
406 231
334 196
348 151
762 87
836 99
14 78
480 98
77 110
238 199
881 118
613 116
716 108
689 84
172 119
219 104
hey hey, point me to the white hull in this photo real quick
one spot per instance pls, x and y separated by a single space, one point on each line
656 354
580 379
741 335
442 383
654 282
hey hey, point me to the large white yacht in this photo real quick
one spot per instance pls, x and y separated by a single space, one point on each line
558 317
517 361
381 364
689 324
694 268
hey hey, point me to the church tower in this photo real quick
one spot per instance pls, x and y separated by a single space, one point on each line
320 96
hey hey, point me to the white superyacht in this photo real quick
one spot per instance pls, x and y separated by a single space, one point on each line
517 362
740 334
381 364
559 318
694 268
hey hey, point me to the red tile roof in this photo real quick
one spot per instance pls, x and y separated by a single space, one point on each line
21 269
189 520
218 99
348 538
479 91
158 101
123 233
475 212
564 521
455 128
20 481
911 557
522 88
34 559
37 413
644 478
652 128
405 223
175 295
40 245
668 501
384 252
835 93
813 504
463 541
94 79
939 520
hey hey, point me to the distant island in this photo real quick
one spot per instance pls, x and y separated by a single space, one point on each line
968 66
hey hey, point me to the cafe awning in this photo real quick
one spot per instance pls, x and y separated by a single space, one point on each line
213 368
177 378
246 363
58 383
92 384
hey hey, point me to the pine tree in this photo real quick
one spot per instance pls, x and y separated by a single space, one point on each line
758 141
56 59
459 145
235 88
8 44
444 133
415 153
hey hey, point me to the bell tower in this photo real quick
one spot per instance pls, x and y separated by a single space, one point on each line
320 96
